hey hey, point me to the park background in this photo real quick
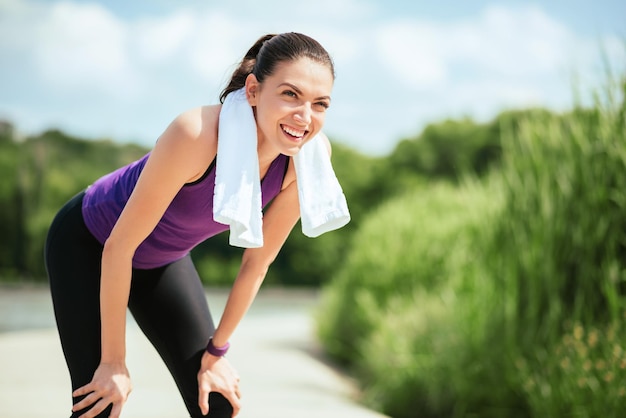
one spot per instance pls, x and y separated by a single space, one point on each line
481 147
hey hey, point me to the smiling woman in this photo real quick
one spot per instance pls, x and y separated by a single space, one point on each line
125 240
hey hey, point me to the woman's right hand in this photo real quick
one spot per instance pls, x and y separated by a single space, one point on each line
110 385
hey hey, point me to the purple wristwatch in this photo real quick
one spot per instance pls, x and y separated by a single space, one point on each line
217 351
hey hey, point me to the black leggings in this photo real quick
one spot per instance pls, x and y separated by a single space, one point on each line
168 303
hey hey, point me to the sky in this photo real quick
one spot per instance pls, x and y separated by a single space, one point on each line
124 69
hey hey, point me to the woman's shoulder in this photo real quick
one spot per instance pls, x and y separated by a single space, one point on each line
198 121
195 127
192 136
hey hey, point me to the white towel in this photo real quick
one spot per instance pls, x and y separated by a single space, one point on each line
237 201
323 206
237 196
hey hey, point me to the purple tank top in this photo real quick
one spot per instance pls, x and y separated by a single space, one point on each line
187 221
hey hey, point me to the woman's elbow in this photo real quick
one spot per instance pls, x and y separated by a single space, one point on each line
116 251
254 267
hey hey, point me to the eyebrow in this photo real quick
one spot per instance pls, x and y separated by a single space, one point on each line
300 91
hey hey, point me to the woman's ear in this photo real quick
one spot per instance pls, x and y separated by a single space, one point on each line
252 89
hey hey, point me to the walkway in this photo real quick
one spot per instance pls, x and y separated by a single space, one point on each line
273 350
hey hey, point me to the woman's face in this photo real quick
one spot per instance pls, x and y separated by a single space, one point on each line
290 104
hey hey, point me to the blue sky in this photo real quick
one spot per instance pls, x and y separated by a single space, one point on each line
123 69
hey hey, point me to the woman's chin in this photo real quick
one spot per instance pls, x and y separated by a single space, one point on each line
292 148
291 151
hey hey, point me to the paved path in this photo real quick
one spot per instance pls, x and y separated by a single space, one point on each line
273 350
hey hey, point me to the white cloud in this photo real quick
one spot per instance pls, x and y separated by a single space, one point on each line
17 28
502 42
160 38
520 42
476 66
410 50
84 46
292 12
217 43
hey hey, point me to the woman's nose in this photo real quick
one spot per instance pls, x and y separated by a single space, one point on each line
303 114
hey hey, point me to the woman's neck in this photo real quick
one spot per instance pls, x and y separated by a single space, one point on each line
266 154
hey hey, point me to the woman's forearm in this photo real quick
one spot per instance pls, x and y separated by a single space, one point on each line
277 224
114 293
241 296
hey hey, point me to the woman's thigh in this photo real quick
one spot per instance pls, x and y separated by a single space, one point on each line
72 258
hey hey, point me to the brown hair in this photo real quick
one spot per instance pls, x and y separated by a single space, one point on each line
270 50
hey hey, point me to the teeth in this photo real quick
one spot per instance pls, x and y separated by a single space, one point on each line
294 132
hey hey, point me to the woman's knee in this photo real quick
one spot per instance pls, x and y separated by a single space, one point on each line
103 414
219 407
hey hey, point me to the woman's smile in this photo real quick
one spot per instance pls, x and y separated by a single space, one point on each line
294 134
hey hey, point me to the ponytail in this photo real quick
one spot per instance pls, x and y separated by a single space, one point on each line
246 67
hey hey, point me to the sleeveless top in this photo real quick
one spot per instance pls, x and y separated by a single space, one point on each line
187 221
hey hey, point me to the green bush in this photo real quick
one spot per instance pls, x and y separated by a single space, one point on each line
459 302
403 245
215 271
436 356
39 174
559 257
582 375
560 247
408 267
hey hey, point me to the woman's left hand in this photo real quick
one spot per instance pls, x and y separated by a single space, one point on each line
217 375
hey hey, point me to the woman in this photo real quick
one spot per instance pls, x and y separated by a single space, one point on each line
108 247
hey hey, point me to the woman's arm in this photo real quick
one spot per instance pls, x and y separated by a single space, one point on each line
278 222
181 154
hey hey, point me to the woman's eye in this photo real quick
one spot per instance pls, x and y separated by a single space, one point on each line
289 93
323 105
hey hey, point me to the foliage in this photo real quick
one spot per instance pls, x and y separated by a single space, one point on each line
560 250
561 256
410 310
581 375
39 174
10 206
528 321
412 242
448 150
